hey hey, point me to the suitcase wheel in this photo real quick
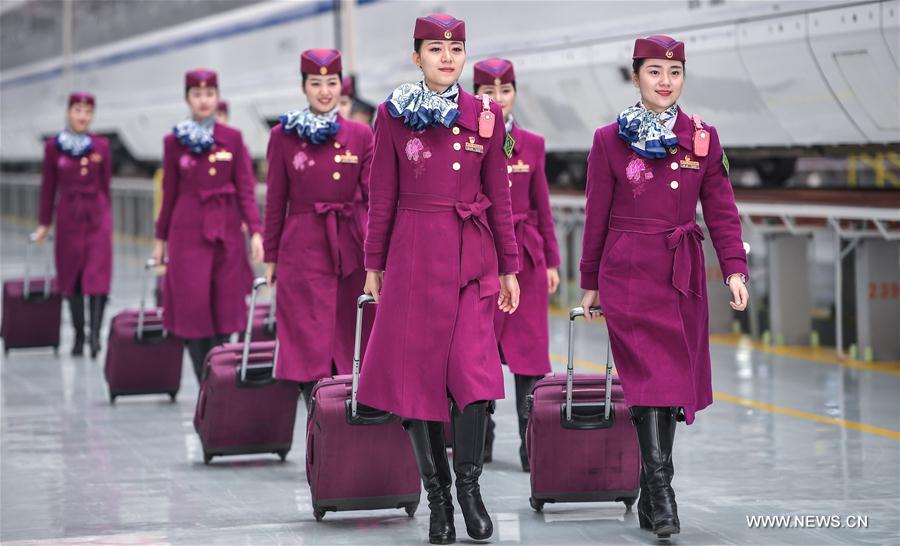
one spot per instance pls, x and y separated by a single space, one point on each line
112 399
629 502
56 350
282 454
411 509
318 513
536 504
207 457
172 396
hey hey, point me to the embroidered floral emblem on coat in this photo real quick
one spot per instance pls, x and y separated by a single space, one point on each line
638 174
417 153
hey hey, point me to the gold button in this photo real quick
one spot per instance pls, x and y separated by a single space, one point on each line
212 171
456 165
336 176
674 165
673 184
337 144
84 161
510 183
455 130
84 171
457 146
337 158
212 158
509 169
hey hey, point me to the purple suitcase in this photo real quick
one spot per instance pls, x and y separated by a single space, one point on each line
242 409
141 356
357 458
582 446
31 310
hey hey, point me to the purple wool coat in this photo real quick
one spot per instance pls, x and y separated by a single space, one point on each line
524 336
440 227
205 198
315 220
83 235
642 248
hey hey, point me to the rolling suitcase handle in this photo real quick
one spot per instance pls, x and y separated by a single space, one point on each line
570 367
357 349
26 288
270 319
258 283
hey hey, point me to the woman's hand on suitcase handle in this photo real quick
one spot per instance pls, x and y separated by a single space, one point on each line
270 274
591 298
41 233
159 251
552 280
740 297
508 301
374 280
256 248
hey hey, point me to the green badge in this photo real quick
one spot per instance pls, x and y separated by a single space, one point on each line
508 145
725 163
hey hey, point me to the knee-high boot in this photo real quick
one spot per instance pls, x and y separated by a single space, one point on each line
98 305
306 392
197 349
427 438
524 383
656 434
76 307
469 430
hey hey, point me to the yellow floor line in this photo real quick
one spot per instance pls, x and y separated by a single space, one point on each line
811 354
746 402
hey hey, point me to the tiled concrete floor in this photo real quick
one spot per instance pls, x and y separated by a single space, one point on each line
77 470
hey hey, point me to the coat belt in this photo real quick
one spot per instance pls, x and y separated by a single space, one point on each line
345 258
685 240
214 203
478 256
527 244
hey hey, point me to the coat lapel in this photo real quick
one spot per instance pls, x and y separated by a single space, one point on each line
683 129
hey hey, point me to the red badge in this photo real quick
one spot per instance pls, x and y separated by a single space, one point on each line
486 119
701 138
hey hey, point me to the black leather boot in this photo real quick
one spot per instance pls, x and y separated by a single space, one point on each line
489 440
427 438
306 392
656 434
197 349
524 383
644 508
76 307
98 305
469 431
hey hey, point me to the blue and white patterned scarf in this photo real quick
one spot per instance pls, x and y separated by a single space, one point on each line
196 136
648 133
74 144
316 128
422 108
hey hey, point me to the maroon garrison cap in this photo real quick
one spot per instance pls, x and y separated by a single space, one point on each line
320 61
440 26
201 78
658 47
347 86
494 71
222 106
80 97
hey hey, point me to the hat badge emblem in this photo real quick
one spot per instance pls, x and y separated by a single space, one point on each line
448 34
323 70
669 54
497 81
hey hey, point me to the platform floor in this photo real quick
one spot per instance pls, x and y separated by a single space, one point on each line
787 436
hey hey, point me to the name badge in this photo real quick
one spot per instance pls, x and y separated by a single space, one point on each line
223 155
687 163
472 146
520 167
347 157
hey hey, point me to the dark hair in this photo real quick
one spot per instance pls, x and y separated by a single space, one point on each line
638 63
340 76
417 44
475 87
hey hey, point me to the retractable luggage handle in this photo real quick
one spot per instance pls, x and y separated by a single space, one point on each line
149 265
357 349
570 365
26 288
258 283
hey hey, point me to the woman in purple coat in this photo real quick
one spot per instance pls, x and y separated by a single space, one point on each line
78 167
207 193
523 338
642 251
315 215
441 255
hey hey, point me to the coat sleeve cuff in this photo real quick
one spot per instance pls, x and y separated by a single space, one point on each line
271 256
732 266
589 280
509 262
375 261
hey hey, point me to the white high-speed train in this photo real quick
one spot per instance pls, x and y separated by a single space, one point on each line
777 78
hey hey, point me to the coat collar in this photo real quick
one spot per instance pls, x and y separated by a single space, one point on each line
343 134
684 130
516 134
